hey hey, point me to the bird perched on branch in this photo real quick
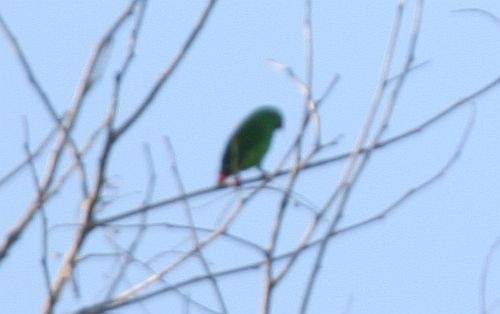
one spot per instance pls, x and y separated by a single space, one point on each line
250 142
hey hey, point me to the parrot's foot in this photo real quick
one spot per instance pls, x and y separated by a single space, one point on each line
236 182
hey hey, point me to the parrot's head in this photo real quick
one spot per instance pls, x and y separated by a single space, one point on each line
272 116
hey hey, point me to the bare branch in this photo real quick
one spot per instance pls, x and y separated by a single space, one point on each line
69 263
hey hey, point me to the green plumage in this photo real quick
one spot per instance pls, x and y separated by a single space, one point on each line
250 142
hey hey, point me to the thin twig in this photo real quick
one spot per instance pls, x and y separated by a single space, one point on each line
167 74
35 153
192 225
483 286
43 214
141 230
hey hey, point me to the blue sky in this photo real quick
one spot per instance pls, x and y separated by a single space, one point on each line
426 257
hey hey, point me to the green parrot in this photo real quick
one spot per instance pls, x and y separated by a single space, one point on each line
249 143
